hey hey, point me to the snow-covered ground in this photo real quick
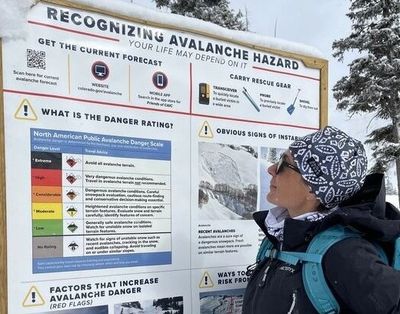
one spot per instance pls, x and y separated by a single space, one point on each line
214 210
14 15
147 307
226 173
221 304
394 199
219 163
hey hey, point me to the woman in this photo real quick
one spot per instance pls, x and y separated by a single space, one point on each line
317 184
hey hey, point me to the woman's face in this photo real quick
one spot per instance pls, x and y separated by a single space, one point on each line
288 189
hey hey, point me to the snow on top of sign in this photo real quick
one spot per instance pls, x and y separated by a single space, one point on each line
188 23
13 17
13 26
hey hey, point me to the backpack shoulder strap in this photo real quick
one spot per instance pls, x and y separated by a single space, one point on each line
314 281
313 276
396 255
265 248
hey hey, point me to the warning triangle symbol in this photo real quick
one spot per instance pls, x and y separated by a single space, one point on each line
33 298
206 281
25 111
205 130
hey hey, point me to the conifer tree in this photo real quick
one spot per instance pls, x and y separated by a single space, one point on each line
373 82
273 155
215 11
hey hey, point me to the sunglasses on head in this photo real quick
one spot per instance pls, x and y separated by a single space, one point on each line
282 163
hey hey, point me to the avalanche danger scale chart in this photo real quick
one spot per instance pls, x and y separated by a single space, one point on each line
94 203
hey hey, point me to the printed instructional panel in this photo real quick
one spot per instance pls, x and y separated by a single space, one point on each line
88 56
219 290
99 201
254 86
142 293
230 182
116 61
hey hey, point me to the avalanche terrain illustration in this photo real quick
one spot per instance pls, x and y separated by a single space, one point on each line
228 181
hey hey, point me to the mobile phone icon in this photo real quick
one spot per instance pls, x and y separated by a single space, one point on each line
160 80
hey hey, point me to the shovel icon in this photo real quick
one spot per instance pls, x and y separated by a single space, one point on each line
290 109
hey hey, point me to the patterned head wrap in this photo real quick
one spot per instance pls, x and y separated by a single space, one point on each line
332 163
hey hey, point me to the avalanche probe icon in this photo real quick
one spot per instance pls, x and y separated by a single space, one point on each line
245 92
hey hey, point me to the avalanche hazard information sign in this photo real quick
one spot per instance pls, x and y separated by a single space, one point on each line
134 153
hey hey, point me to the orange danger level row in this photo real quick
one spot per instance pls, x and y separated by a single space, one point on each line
46 194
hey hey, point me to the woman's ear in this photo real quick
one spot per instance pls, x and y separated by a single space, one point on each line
311 196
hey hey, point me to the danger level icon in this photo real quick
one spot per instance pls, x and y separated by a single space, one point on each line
206 281
33 298
206 131
25 111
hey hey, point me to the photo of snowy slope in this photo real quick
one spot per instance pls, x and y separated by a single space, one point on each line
268 156
172 305
227 181
222 302
103 309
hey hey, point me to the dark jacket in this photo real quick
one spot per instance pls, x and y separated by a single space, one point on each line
358 279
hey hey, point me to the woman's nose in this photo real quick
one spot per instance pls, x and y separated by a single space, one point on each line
272 170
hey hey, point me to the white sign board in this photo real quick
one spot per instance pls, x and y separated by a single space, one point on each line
134 159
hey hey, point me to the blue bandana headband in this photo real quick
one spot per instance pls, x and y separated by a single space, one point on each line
332 163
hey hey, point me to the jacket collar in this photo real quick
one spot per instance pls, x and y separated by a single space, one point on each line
366 211
295 232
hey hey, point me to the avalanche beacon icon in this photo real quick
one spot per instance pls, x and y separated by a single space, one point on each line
204 94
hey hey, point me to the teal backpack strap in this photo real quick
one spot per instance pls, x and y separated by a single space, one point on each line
313 275
295 257
314 281
265 247
396 255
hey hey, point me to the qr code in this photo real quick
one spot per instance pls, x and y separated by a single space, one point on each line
36 59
